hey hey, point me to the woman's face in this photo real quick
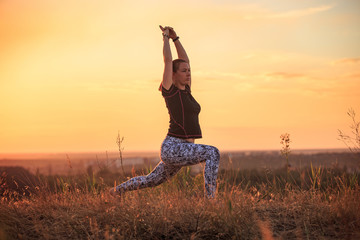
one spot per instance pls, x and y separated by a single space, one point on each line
182 76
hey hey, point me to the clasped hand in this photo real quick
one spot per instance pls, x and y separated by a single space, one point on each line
168 31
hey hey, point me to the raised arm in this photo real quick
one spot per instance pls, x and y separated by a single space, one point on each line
167 76
179 48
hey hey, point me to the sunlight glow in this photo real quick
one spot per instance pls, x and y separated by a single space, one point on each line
73 73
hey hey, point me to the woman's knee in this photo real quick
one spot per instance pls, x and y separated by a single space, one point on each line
216 153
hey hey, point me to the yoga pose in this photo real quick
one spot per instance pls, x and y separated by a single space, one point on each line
178 148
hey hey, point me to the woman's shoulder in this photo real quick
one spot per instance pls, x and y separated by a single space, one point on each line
168 92
171 88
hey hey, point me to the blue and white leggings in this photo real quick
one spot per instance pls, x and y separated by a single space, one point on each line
176 153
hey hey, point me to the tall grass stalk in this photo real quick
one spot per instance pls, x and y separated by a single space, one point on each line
352 141
119 141
285 151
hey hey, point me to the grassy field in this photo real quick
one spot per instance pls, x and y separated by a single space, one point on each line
306 203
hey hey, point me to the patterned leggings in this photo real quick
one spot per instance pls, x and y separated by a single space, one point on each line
176 153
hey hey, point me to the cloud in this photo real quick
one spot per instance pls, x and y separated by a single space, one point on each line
348 61
284 75
213 75
269 81
301 12
305 84
289 82
353 76
290 14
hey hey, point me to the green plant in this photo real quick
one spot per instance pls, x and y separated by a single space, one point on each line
315 178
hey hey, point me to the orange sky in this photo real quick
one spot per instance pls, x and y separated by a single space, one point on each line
73 73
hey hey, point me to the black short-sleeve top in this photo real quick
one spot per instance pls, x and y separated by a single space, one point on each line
183 111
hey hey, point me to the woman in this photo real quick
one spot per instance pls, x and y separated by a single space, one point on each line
179 148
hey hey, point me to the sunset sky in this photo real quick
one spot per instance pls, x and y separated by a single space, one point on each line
74 73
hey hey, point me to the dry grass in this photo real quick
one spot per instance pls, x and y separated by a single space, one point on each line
80 208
